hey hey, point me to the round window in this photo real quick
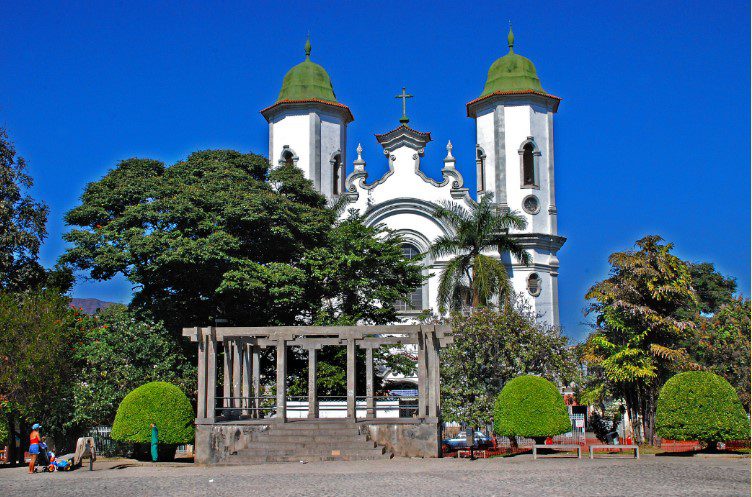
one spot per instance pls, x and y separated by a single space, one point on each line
531 204
534 284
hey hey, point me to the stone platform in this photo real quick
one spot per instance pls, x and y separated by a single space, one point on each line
259 441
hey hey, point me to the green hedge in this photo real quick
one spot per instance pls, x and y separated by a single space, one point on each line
530 406
160 403
699 405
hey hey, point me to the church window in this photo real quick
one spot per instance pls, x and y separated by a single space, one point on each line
534 284
529 154
336 166
531 204
287 157
415 301
480 162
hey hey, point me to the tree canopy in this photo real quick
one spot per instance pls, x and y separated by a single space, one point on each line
37 361
219 235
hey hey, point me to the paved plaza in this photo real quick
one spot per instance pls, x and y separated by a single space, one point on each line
519 476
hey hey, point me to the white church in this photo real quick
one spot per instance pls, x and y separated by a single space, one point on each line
514 158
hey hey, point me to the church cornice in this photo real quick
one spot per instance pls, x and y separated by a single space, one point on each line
324 105
403 135
473 105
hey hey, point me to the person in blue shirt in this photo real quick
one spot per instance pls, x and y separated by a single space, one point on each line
154 442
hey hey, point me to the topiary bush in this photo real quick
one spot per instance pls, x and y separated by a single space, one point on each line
160 403
530 406
700 405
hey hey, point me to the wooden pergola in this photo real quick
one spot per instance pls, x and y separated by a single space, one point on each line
242 382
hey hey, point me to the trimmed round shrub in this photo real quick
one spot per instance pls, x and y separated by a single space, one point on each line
700 405
530 406
160 403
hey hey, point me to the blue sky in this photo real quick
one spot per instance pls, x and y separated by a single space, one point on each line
653 134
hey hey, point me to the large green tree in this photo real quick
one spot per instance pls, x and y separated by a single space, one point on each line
490 348
220 236
184 234
472 276
38 333
638 337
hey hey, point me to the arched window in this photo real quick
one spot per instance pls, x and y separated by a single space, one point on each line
336 175
534 284
528 165
415 302
480 162
287 157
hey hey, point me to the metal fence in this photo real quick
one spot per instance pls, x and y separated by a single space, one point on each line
104 443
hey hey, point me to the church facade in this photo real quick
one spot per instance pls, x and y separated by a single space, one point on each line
514 160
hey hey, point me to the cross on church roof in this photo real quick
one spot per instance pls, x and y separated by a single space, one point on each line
404 96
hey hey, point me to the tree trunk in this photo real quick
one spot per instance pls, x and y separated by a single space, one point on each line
11 455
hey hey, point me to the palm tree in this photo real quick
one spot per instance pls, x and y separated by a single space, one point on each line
471 276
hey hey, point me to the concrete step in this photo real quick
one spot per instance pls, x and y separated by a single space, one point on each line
236 460
330 444
311 451
314 428
313 435
292 425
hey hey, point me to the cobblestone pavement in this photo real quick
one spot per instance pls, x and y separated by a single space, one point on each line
518 476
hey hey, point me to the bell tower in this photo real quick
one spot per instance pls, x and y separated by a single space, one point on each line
308 127
514 122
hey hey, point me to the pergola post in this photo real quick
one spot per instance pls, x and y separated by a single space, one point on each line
227 376
211 374
422 375
281 380
256 375
201 401
437 373
237 375
313 404
351 378
432 375
246 348
370 410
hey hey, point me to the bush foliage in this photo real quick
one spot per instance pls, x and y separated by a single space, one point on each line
700 405
530 406
157 402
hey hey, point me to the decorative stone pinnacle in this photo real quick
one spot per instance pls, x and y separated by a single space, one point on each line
308 46
360 152
449 150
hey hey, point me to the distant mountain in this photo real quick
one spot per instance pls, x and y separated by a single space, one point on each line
90 306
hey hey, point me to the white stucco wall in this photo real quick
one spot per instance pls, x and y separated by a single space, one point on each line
291 129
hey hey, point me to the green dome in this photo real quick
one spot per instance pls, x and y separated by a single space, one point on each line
307 81
512 73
